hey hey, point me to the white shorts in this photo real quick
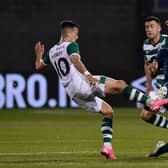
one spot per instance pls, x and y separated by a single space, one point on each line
86 95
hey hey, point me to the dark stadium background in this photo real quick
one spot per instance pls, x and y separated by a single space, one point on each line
111 37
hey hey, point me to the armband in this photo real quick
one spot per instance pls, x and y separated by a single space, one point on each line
41 61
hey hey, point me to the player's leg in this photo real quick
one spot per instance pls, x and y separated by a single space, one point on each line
107 131
95 104
161 148
113 86
154 118
159 121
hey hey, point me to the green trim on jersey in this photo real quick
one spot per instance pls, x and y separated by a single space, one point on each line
73 48
154 51
102 79
46 59
151 51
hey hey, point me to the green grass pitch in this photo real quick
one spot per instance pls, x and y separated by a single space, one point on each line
71 138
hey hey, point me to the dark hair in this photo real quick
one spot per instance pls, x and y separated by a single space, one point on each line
68 24
153 18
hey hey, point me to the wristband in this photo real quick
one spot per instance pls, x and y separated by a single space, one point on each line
41 60
86 73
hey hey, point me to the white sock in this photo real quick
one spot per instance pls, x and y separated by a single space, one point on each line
107 144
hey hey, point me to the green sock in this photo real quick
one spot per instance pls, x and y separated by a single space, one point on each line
106 129
159 121
135 95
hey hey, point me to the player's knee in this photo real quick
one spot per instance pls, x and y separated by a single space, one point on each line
121 84
107 112
145 115
113 86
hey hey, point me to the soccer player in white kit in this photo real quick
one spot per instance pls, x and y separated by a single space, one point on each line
84 88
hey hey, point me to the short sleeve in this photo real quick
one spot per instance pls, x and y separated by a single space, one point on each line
73 48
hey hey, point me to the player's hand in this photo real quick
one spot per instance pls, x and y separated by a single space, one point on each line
92 80
39 49
166 22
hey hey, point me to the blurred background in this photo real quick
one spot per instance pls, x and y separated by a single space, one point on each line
111 38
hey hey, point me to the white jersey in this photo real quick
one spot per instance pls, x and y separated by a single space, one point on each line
75 83
59 56
60 59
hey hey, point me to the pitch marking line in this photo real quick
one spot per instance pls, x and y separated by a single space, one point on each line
45 153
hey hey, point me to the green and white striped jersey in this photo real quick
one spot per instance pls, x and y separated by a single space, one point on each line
151 51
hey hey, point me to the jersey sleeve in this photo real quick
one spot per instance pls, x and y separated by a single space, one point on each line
46 59
73 48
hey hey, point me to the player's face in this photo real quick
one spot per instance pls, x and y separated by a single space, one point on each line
74 34
152 29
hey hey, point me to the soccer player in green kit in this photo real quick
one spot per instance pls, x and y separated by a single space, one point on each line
156 65
83 87
160 67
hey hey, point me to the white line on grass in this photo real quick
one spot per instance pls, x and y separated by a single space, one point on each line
45 153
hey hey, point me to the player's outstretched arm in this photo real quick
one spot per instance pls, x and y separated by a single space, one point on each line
81 68
39 50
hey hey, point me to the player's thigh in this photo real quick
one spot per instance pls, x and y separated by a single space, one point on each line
91 103
114 86
94 104
79 86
